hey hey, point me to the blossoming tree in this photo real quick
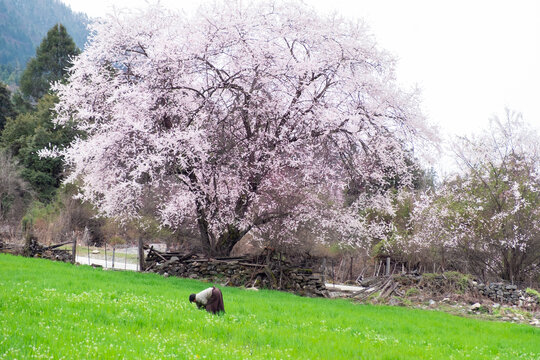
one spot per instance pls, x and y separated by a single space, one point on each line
487 219
238 117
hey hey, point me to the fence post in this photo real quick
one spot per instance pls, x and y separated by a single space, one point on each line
350 269
74 250
324 270
388 266
86 240
141 255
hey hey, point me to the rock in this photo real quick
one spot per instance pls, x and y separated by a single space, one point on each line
475 307
432 303
166 274
535 322
95 251
446 300
394 301
369 281
496 306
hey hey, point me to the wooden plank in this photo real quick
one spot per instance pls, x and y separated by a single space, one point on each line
159 255
236 258
252 265
57 245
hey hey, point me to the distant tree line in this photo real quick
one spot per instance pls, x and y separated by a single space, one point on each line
26 126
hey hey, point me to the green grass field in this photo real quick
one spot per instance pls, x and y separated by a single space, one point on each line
54 310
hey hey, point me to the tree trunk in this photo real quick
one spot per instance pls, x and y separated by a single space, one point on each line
224 244
512 263
227 240
203 229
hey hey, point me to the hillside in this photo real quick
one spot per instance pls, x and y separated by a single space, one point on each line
24 23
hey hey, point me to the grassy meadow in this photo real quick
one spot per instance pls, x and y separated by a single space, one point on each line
51 310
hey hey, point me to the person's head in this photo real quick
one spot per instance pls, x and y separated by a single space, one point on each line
192 298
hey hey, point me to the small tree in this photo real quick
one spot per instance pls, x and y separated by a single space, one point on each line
487 220
6 106
15 193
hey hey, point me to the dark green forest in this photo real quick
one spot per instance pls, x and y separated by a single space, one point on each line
24 23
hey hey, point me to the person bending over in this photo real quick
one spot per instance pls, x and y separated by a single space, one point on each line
211 299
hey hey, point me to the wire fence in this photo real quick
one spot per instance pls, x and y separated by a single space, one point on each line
123 257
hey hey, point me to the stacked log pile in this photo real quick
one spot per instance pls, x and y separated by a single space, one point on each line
441 286
13 249
238 271
35 249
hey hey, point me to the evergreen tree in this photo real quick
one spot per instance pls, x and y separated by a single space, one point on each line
20 104
30 132
6 107
50 64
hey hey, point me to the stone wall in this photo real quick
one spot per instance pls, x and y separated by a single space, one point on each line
241 273
450 285
505 293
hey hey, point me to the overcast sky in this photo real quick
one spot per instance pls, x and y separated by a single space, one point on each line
470 58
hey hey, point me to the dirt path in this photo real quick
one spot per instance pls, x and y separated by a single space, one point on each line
120 265
339 287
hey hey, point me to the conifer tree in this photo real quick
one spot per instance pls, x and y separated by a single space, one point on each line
53 58
6 107
30 132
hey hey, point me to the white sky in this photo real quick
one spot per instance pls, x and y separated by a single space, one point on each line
470 58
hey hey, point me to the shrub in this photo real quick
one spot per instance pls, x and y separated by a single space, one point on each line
411 292
534 293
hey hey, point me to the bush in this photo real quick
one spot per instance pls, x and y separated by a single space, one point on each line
534 293
411 292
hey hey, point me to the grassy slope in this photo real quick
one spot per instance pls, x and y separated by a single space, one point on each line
56 310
